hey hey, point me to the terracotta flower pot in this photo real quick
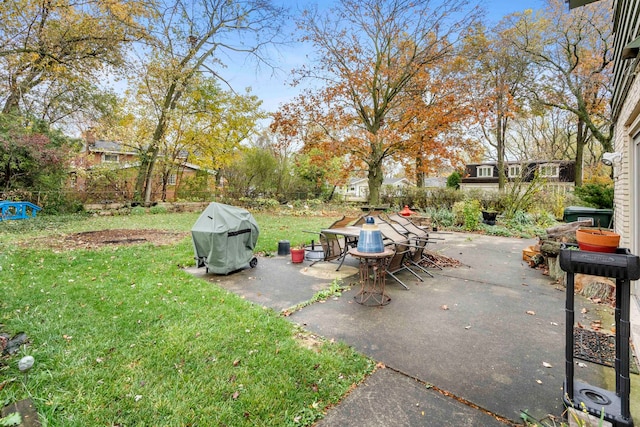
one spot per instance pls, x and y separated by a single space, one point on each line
596 240
297 255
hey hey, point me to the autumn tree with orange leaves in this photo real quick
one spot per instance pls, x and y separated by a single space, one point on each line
371 56
436 113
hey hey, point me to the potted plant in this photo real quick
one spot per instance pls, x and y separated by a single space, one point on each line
297 254
489 217
490 211
597 240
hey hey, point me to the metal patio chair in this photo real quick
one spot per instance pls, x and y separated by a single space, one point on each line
402 260
420 236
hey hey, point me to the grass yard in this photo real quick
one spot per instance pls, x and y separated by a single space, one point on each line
122 336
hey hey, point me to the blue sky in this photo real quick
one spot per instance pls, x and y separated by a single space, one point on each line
274 90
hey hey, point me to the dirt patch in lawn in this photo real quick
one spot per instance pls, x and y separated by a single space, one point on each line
98 239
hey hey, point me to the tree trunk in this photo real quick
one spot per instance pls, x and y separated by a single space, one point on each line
420 175
12 104
141 178
580 143
375 179
147 162
500 132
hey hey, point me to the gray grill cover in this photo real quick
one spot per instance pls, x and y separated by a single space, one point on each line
224 238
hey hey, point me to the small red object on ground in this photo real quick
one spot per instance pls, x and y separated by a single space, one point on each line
406 211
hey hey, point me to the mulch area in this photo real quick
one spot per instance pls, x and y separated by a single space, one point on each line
98 239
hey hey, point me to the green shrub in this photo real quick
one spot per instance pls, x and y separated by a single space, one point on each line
495 230
544 219
157 209
471 212
453 180
553 202
420 198
138 210
520 219
458 216
443 198
441 217
596 195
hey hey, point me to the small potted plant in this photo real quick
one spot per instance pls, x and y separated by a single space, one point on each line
297 254
489 216
489 213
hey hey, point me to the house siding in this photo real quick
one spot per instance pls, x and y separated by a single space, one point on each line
625 106
628 126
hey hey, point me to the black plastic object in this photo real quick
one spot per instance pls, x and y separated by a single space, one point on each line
624 267
284 247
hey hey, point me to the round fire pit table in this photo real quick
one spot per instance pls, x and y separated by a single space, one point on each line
373 273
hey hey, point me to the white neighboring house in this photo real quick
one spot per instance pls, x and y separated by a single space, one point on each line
357 190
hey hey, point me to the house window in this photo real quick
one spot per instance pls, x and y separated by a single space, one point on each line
110 158
549 170
172 179
485 171
352 189
514 171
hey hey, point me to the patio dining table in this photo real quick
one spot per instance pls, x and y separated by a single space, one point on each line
350 233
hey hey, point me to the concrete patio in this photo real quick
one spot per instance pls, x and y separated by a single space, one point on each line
473 346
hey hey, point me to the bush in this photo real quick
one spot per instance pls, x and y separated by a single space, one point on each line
441 217
467 214
495 230
259 203
596 195
453 180
471 211
445 197
138 210
158 209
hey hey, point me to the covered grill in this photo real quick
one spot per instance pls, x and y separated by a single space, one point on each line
224 238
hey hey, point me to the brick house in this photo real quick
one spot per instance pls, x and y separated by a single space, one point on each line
107 170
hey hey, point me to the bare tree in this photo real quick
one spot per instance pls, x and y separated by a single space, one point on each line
574 52
501 75
197 37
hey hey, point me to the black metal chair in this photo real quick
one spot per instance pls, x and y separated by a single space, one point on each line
333 245
420 236
402 260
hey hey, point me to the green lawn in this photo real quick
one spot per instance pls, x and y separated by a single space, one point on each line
123 336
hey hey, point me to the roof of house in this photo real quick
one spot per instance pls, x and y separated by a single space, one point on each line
102 146
386 181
